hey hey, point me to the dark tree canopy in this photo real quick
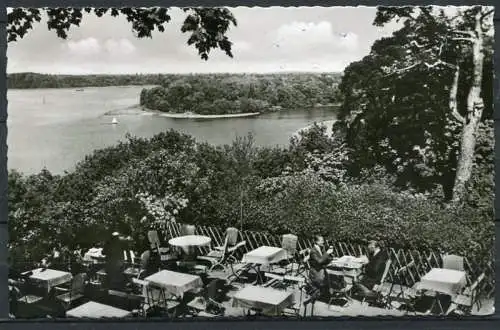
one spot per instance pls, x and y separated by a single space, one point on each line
207 26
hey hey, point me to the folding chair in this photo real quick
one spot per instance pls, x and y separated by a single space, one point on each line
465 301
451 261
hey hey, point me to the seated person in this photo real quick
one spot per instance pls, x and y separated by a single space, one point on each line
319 259
374 269
150 262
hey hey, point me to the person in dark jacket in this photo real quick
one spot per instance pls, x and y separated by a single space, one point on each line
374 269
113 250
318 260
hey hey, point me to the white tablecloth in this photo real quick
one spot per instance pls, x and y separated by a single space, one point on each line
96 310
269 300
50 277
446 281
93 253
265 255
190 240
174 283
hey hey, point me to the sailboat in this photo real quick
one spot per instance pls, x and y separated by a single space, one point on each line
114 121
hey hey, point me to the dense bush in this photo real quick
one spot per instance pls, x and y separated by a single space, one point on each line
131 186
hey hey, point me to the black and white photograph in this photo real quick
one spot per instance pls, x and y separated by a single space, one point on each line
241 162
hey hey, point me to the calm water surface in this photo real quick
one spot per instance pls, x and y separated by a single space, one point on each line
56 128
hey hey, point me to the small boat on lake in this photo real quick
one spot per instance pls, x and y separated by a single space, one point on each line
114 121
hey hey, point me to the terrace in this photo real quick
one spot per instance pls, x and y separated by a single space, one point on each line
257 274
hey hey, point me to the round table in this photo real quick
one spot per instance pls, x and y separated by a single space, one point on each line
190 241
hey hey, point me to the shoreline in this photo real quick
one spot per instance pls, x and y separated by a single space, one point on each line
327 123
188 115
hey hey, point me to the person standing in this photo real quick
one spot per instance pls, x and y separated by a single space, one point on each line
113 250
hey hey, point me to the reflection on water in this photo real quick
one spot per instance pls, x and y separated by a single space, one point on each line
56 128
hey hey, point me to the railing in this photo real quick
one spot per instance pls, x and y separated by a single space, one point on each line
421 261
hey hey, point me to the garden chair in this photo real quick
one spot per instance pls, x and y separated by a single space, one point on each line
230 239
451 261
209 301
222 258
289 244
75 291
465 301
340 290
400 290
187 230
154 240
303 262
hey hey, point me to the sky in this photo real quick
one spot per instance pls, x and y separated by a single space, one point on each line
274 39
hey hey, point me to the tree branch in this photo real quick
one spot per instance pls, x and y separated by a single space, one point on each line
416 44
468 33
464 39
487 13
439 62
403 69
453 97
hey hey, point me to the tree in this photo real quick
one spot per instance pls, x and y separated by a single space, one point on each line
436 38
406 104
207 26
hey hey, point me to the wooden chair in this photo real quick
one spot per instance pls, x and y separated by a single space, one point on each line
454 262
222 259
208 301
465 301
75 291
187 230
400 290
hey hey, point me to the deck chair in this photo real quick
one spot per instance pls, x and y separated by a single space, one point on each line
75 291
289 244
230 239
465 301
221 259
339 290
303 262
400 290
187 230
209 300
451 261
154 241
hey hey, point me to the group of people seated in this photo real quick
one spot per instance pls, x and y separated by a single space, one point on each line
320 258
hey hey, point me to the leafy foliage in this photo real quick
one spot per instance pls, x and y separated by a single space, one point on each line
396 110
208 26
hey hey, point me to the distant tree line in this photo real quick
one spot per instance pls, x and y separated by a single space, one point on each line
35 80
244 93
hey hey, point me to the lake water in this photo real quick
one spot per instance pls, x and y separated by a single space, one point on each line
56 128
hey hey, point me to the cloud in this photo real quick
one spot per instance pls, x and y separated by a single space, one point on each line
300 36
119 47
85 47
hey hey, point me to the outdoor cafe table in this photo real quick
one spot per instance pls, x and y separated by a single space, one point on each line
443 281
346 266
93 255
264 255
49 278
173 282
93 309
268 300
188 241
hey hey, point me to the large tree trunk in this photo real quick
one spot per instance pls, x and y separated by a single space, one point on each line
473 116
